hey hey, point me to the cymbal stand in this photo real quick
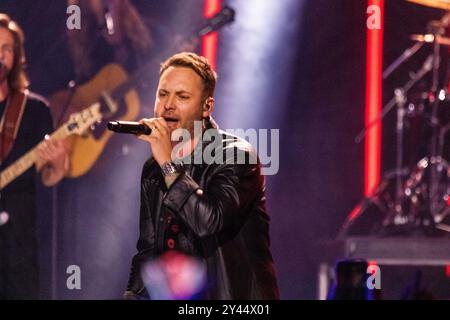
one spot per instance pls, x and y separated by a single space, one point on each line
437 29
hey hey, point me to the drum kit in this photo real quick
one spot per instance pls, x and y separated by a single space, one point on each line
414 200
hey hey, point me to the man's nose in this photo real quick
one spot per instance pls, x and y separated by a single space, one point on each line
170 103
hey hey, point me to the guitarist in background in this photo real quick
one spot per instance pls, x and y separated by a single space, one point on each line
25 120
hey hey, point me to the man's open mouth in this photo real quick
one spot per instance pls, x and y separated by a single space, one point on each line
171 122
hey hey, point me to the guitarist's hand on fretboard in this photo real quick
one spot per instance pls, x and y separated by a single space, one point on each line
53 160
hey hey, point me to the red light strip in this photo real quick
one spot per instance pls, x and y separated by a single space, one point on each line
209 42
374 65
375 264
355 213
372 263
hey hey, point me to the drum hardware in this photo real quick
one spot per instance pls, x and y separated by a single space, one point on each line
430 38
418 200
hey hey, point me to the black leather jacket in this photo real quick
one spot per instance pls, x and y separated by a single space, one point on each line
221 217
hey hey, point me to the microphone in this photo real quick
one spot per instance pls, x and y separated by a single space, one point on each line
129 127
224 17
109 21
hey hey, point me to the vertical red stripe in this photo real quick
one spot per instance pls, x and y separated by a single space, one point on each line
447 271
209 42
374 64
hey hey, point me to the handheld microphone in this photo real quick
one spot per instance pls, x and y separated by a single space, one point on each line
129 127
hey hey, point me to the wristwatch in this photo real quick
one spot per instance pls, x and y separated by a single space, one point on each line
168 168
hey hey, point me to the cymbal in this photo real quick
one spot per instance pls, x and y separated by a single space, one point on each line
440 4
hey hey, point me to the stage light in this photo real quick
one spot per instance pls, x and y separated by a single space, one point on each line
256 53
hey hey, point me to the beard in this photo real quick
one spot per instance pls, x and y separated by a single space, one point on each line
4 72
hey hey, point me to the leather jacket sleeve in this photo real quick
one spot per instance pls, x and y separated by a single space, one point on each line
145 245
230 190
221 199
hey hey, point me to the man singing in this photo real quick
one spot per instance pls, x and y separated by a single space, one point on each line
213 211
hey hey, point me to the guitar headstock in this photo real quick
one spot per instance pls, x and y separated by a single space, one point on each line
81 121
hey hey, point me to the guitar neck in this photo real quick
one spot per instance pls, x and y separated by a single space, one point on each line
27 160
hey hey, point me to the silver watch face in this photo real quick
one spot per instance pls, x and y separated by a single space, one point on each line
168 168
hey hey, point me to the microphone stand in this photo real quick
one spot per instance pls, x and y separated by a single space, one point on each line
400 99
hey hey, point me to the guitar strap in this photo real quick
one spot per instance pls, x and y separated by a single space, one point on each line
10 122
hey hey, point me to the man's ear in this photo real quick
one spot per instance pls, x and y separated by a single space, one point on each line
208 107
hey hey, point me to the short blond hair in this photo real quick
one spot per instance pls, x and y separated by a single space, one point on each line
199 64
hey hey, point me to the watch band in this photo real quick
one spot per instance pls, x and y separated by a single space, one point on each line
168 168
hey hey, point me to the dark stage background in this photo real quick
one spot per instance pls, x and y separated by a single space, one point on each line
305 75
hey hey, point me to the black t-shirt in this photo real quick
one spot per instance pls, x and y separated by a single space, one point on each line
36 123
18 237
